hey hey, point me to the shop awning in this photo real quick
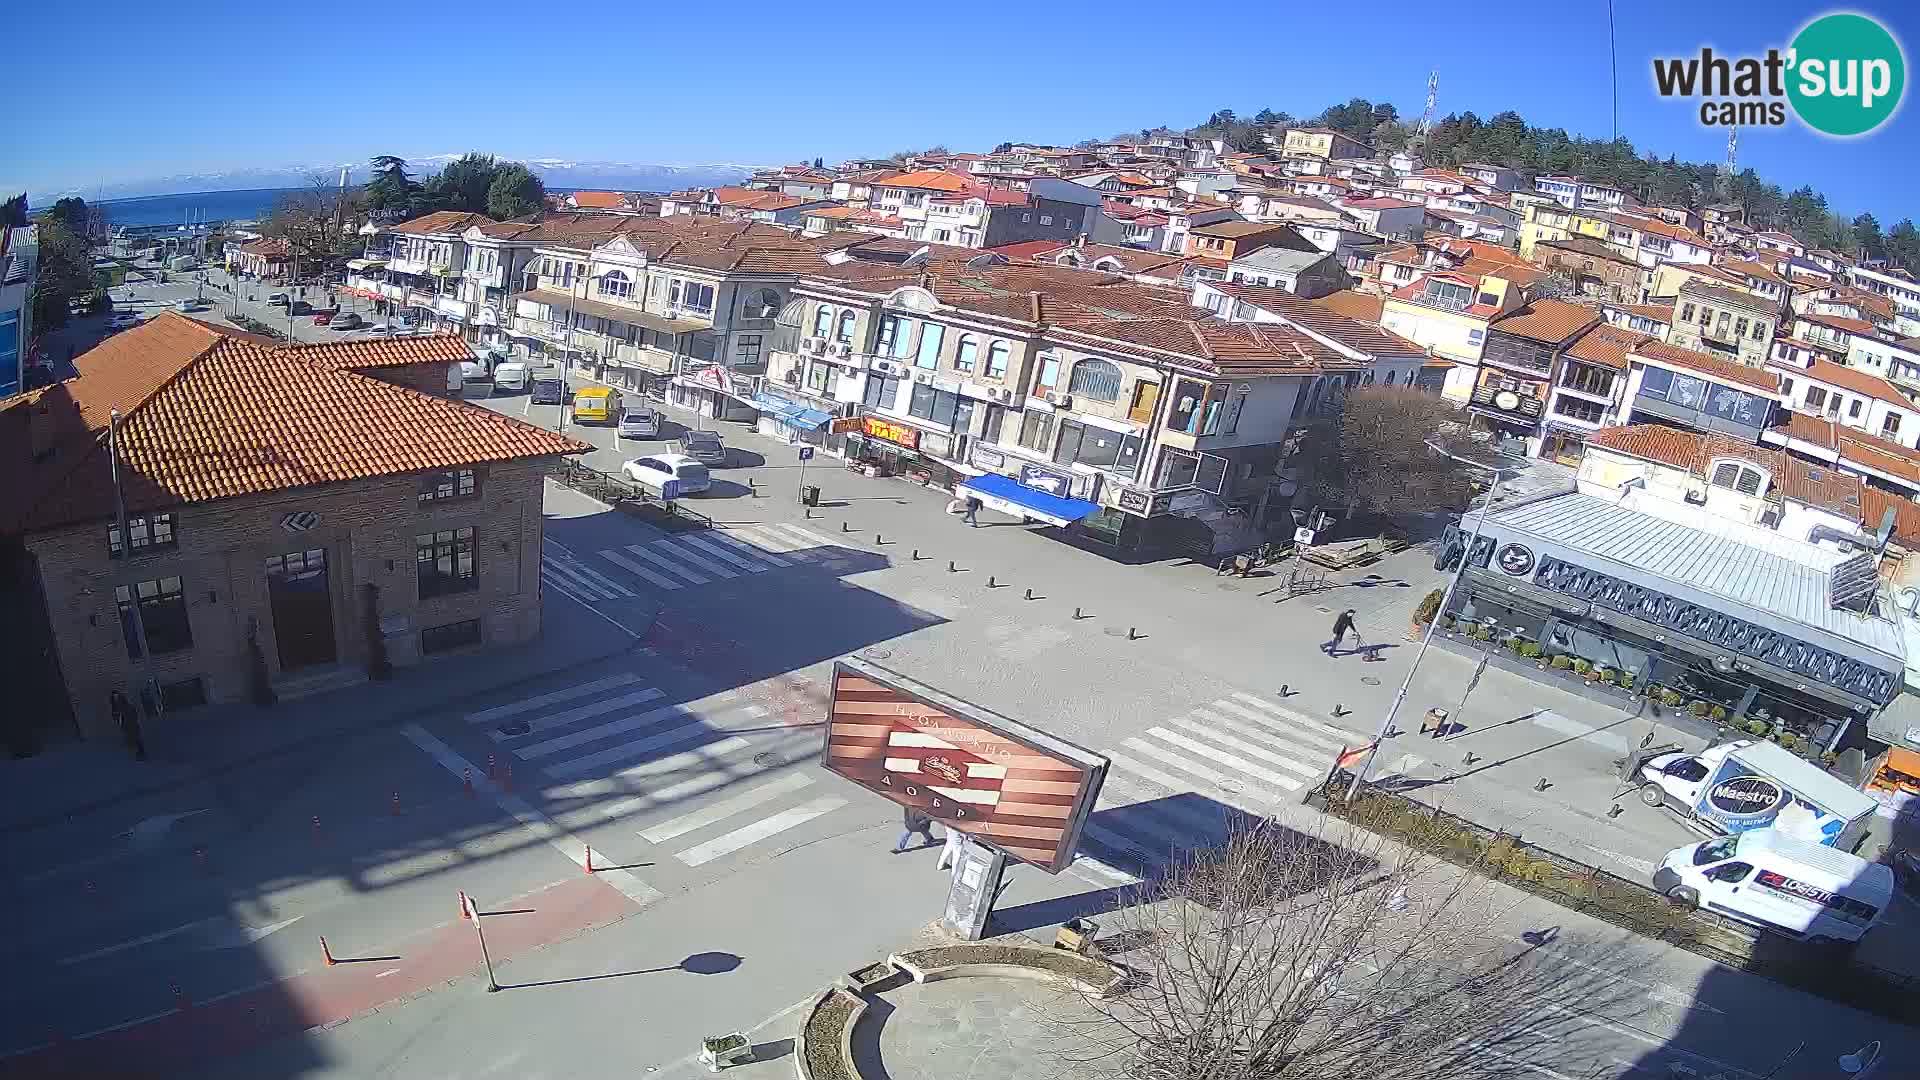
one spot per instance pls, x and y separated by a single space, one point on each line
365 264
791 414
1009 496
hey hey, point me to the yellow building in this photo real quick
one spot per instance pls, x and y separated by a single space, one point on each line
1324 143
1555 222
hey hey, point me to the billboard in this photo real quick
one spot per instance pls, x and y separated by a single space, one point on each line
1006 785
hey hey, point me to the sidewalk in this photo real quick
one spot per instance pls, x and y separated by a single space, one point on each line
200 746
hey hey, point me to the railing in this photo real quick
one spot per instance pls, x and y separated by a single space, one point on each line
625 495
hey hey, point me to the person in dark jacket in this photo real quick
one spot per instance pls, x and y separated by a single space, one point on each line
973 512
1340 627
916 822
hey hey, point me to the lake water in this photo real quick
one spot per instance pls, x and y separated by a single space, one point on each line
249 205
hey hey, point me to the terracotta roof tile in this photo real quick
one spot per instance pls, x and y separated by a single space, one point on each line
207 415
1607 345
1874 505
1813 485
1548 321
1354 333
1709 364
1366 307
1860 382
598 200
927 180
441 221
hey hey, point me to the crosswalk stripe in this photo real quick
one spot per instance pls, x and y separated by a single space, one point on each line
738 544
770 540
805 536
1224 758
1244 747
1268 727
613 588
576 584
667 564
1172 784
1082 861
692 731
758 831
615 783
580 712
720 551
694 557
636 722
1301 718
725 808
1151 808
562 587
1223 788
635 568
513 708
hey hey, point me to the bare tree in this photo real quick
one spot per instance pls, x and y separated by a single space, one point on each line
316 221
1285 956
1372 457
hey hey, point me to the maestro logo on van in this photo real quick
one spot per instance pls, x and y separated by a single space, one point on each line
1747 795
1843 75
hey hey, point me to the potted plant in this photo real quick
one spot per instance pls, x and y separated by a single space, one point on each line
1582 667
1626 680
719 1051
1787 739
1671 697
1718 714
1759 728
1424 613
1561 662
1829 758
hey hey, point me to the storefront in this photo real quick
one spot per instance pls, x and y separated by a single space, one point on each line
795 422
714 392
892 448
1736 630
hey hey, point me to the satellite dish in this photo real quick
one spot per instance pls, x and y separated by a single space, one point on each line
919 258
981 262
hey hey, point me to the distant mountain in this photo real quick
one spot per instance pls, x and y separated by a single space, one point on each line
557 173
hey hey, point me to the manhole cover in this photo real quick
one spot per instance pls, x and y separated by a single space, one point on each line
1370 680
1323 609
518 727
876 654
766 759
1227 587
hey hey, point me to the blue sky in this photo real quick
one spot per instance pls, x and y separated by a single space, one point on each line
171 88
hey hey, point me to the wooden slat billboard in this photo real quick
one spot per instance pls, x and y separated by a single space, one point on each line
1006 785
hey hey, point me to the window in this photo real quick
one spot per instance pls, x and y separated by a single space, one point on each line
445 562
1231 423
458 635
881 392
1097 379
1036 431
928 356
616 284
1890 427
163 612
1391 375
1786 388
746 350
997 360
452 484
1740 328
1026 217
185 694
1589 412
845 332
1731 872
1816 397
1738 477
1046 219
990 427
1049 374
1853 409
1760 330
1587 379
817 376
822 319
902 337
1099 448
965 353
149 531
692 295
938 406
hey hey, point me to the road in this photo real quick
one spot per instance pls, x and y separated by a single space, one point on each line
146 298
685 761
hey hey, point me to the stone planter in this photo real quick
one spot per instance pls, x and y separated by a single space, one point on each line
823 1047
1093 977
720 1051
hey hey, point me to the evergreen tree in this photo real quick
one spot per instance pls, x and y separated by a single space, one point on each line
515 192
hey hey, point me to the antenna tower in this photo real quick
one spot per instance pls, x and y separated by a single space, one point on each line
1433 97
1732 166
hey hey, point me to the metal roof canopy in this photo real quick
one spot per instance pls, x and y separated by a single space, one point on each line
1719 571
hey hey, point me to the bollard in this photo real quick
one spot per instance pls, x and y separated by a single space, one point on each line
951 569
326 953
493 768
845 528
877 541
180 999
466 781
1542 785
916 555
1339 710
396 804
1615 811
1469 759
809 511
465 916
1029 594
1076 615
1285 690
1133 633
990 581
589 862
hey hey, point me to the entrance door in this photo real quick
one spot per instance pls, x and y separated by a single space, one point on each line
302 608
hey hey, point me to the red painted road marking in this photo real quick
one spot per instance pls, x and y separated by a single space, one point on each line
168 1043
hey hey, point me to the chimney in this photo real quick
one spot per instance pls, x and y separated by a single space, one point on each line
1033 300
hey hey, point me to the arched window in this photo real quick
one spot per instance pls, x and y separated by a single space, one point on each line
615 283
845 332
765 304
1367 379
1096 379
967 352
1390 377
822 321
1738 476
997 360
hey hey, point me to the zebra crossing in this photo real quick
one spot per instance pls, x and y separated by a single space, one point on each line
564 573
1179 785
720 554
610 752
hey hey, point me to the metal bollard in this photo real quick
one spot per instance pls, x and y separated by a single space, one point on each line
952 569
1133 633
845 528
1076 615
1029 594
990 582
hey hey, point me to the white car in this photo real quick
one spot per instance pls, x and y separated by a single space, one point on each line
123 321
653 473
188 306
637 421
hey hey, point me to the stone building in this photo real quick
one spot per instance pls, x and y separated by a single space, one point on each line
273 496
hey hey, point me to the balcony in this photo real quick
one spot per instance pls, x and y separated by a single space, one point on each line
401 264
489 278
644 357
555 333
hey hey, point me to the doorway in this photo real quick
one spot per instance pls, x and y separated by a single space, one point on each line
302 608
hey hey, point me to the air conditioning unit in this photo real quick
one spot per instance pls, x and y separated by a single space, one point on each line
812 345
1060 401
886 367
922 377
843 350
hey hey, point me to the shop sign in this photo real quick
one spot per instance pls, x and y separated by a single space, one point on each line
1747 796
987 457
1187 500
1515 559
714 377
1132 501
1046 480
899 434
843 425
937 443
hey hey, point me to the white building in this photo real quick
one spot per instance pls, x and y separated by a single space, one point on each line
19 262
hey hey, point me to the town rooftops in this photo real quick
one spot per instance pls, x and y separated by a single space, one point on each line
598 200
1860 382
269 247
208 414
1381 202
1354 304
1727 371
1818 486
1354 333
1233 230
927 180
440 221
1720 294
1607 345
1547 321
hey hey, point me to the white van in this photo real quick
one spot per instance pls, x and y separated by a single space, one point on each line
510 376
469 380
1781 883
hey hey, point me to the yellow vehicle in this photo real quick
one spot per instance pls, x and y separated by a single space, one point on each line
595 404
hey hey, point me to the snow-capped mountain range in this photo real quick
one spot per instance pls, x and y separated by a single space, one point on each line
556 172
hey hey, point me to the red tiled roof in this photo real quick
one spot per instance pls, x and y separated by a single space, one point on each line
927 180
1606 345
1812 485
1352 332
1840 322
598 200
1366 307
1874 505
441 221
271 247
1029 249
1860 382
1709 364
1548 321
210 415
1859 448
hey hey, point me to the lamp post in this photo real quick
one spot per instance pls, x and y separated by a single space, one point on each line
1426 639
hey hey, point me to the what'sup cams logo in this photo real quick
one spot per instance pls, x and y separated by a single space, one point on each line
1843 75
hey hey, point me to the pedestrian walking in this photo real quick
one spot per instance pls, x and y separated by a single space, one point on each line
950 852
129 721
916 822
1341 625
973 512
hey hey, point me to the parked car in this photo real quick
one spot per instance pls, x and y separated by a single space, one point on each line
299 307
639 422
347 321
704 447
548 389
188 306
324 318
654 472
278 299
511 376
123 321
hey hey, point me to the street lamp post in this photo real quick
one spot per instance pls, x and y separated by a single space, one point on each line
1426 639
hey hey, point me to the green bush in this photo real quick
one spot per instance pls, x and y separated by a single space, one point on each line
1719 713
1759 728
1829 758
1671 697
1701 708
1581 666
1530 649
1788 739
1480 633
1626 680
1562 662
1429 607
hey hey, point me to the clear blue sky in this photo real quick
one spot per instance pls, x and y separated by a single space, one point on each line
147 89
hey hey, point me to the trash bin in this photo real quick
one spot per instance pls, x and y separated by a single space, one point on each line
810 495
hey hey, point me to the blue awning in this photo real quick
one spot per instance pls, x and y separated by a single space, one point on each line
791 414
1009 496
